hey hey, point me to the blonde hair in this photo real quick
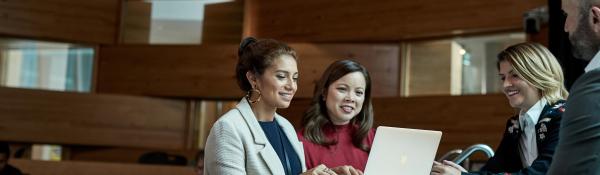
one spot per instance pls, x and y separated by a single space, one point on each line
538 67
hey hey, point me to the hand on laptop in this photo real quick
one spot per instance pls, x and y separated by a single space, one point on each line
447 168
347 170
452 164
320 170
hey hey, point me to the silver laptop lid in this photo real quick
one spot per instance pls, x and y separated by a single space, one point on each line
402 151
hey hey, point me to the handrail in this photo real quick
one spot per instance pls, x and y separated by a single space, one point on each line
450 153
489 152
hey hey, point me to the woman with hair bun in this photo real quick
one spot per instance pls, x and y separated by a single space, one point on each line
252 138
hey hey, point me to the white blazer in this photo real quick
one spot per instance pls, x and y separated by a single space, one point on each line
237 145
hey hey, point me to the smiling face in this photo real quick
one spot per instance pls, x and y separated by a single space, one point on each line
344 98
278 83
520 94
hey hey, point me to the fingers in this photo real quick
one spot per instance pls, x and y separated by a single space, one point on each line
320 167
319 170
351 170
446 168
343 170
437 168
328 171
450 163
454 165
347 170
323 170
354 171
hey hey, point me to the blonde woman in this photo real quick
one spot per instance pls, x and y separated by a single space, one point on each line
532 81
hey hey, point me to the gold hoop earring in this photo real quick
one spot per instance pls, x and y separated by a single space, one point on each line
249 95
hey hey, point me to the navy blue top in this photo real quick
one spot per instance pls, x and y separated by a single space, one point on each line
281 144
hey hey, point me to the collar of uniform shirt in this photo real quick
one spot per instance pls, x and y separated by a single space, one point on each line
533 113
595 63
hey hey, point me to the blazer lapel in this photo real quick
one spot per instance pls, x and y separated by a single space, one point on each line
541 127
513 129
272 160
511 149
255 129
264 149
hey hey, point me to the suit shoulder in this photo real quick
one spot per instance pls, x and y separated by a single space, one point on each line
588 80
231 117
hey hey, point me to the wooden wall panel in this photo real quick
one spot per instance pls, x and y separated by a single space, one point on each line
207 71
464 120
90 21
386 20
223 22
136 22
380 59
183 71
35 116
425 57
36 167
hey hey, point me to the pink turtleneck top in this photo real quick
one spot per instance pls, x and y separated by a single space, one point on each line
343 153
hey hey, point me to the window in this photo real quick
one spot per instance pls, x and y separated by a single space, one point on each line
45 65
165 22
457 66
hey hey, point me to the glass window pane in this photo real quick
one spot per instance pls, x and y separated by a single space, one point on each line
479 72
164 22
461 65
46 65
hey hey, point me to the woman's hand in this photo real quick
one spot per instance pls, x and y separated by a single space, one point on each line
347 170
452 164
319 170
446 168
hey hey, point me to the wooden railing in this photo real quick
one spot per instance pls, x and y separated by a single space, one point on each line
464 120
35 167
36 116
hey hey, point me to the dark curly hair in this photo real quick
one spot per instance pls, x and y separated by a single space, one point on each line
315 119
256 55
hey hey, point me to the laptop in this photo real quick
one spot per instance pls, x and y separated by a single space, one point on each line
402 151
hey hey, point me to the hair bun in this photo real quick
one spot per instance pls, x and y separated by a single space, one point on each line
245 43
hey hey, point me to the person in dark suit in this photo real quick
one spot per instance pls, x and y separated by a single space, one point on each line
578 151
532 81
5 168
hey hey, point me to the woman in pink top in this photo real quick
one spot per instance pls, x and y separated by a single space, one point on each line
337 127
